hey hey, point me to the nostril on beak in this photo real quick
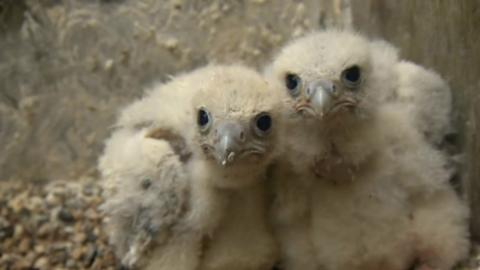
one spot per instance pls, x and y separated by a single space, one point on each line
242 136
334 91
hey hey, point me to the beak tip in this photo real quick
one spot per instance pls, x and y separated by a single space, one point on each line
227 159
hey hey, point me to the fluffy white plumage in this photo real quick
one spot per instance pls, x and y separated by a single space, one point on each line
428 98
378 189
246 111
147 192
180 166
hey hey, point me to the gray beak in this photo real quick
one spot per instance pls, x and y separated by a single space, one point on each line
321 95
228 142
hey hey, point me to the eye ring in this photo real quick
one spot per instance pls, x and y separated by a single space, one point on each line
352 77
204 119
262 124
293 83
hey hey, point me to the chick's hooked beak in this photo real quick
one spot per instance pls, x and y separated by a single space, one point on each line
319 98
229 137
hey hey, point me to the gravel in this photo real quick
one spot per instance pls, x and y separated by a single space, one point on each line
53 226
58 226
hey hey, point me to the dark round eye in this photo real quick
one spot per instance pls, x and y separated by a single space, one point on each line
203 119
263 123
352 77
292 82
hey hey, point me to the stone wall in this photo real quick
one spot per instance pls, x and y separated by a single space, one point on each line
443 35
67 66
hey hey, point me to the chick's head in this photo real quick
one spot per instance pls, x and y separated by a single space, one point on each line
327 76
237 120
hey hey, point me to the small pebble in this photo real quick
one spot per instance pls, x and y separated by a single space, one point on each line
52 199
80 238
30 258
59 256
66 216
40 249
88 190
77 253
24 245
68 230
171 44
35 203
70 263
41 263
91 236
22 264
6 230
92 214
91 256
44 230
18 231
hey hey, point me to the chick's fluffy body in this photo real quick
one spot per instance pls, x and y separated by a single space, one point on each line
244 239
427 98
169 204
378 186
397 208
150 134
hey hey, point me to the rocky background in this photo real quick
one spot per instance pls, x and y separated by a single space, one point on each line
68 66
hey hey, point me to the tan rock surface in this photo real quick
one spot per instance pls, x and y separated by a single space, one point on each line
70 65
